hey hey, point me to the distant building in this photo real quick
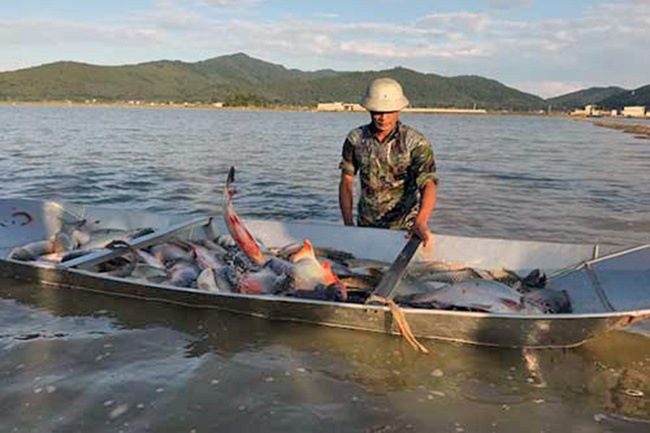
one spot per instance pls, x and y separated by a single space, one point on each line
634 111
338 106
330 106
589 111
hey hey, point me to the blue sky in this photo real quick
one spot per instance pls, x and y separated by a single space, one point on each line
546 47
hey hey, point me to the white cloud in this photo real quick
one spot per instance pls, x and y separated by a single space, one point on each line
605 45
37 32
459 21
231 2
327 15
549 89
510 4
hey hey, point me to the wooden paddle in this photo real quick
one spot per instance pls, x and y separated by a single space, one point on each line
386 288
385 291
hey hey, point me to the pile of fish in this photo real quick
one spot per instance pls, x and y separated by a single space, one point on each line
238 263
453 287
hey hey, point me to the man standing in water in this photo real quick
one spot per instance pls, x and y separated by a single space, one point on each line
395 163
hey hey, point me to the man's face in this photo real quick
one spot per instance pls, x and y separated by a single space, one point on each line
385 122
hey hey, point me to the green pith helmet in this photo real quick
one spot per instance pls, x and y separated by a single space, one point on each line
384 95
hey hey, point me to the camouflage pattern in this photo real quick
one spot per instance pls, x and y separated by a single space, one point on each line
391 174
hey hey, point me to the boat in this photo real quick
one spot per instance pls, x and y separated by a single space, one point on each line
607 292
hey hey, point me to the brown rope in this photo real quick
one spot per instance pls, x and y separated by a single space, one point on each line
402 324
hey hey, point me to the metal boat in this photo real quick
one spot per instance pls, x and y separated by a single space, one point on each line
606 292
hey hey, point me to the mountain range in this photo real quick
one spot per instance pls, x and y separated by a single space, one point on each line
239 79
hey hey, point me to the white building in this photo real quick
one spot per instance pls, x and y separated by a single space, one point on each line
338 106
634 111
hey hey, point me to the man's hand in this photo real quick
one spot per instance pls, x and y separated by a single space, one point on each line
428 202
421 230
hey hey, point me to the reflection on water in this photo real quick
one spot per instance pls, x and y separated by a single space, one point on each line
74 360
515 177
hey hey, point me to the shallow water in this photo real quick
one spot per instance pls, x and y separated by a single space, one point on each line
73 361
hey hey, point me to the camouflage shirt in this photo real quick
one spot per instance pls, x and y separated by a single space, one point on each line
391 174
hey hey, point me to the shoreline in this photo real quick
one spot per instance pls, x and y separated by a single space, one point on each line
640 131
279 108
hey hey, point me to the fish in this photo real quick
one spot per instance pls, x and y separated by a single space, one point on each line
309 272
333 254
305 270
143 271
236 228
183 274
226 279
550 300
280 266
214 248
455 276
149 259
205 258
206 280
64 256
421 269
536 279
330 280
475 295
359 282
264 281
58 243
289 250
169 253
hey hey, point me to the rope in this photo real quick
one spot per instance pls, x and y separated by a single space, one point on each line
402 324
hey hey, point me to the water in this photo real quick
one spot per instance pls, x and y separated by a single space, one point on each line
83 362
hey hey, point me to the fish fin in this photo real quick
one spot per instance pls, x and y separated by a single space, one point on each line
330 279
306 252
512 305
328 275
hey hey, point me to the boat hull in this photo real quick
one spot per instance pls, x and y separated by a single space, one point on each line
602 305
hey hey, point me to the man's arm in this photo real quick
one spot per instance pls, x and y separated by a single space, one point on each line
428 199
346 197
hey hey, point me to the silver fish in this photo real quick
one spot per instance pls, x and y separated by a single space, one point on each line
206 280
169 253
183 274
477 295
205 258
454 276
58 243
421 269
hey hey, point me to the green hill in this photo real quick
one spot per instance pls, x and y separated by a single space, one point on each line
240 80
640 96
591 96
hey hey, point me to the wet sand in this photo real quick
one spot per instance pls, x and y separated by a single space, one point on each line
640 131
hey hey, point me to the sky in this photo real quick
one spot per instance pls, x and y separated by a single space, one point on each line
544 47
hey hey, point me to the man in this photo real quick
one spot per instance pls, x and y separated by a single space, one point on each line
395 163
